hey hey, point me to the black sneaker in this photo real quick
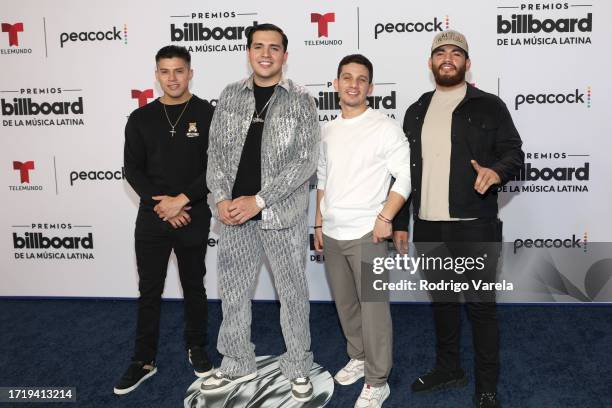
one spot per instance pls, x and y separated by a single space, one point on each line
486 400
439 380
198 358
137 372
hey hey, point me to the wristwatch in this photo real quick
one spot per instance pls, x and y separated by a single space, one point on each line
260 201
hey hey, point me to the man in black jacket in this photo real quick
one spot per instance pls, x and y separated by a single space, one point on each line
165 163
463 145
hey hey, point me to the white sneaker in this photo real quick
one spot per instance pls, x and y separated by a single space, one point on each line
350 373
220 382
301 389
372 397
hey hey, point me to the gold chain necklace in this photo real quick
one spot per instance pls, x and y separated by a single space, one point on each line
172 131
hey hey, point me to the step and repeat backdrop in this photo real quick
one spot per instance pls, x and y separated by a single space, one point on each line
72 71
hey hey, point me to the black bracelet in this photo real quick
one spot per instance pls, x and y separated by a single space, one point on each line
318 226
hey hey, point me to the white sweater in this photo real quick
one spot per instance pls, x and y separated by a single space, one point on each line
358 157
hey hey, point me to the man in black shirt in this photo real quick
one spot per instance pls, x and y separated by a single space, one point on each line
165 162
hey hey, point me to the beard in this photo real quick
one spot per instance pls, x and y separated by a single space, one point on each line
449 80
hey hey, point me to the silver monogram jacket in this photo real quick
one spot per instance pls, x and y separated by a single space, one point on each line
289 149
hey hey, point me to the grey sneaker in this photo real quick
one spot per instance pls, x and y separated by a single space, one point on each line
220 382
350 373
301 389
372 397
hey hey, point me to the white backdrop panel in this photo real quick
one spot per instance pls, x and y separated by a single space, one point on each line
74 187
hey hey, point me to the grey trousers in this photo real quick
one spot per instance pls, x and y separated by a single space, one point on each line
366 325
240 252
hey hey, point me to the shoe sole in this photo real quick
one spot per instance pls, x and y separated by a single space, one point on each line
124 391
450 384
231 385
302 399
353 380
204 374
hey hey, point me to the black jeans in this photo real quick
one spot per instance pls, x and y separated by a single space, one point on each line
154 241
465 239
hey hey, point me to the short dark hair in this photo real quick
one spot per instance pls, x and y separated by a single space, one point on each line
173 51
266 27
357 59
467 56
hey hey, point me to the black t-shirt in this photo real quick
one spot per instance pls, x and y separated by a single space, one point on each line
159 163
248 176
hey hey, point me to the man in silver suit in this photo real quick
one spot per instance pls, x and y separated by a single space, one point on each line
263 149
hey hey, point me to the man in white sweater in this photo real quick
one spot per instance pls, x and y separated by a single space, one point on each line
361 151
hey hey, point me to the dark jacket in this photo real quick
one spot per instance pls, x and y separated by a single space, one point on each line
481 129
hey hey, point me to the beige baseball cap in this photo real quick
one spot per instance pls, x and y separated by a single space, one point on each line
451 37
